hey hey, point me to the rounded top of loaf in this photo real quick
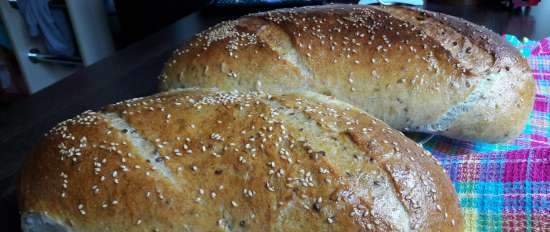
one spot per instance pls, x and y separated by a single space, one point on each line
414 69
470 48
196 160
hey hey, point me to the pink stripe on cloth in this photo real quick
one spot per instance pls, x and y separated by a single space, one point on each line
542 49
541 170
541 104
515 168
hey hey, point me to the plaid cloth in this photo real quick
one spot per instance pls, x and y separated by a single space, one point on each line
506 187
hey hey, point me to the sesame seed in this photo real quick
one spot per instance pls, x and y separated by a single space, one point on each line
216 136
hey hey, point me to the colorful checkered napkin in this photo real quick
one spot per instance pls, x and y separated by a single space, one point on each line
506 187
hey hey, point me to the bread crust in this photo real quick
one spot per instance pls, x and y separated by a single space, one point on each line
196 160
414 69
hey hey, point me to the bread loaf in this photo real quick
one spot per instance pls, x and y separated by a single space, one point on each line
194 160
414 69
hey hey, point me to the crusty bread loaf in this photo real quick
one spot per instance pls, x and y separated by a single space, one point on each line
414 69
194 160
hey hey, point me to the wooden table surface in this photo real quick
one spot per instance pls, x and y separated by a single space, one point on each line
132 72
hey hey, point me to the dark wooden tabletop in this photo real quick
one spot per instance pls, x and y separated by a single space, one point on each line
133 72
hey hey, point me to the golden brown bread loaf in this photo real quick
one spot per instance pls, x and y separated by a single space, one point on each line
414 69
194 160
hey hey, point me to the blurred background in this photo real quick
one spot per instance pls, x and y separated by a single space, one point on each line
43 41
